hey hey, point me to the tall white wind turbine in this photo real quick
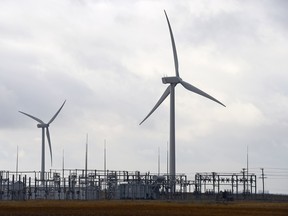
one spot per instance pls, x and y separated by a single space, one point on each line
44 126
173 81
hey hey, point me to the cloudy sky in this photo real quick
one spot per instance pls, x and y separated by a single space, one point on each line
107 58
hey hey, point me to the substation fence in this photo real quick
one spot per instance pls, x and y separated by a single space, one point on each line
79 184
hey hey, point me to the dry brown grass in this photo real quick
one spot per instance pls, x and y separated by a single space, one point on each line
135 208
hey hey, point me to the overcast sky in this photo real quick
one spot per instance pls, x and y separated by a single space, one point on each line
107 58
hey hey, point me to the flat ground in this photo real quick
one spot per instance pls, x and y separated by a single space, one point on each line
135 208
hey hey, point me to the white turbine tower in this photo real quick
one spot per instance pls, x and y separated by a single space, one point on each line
173 81
43 125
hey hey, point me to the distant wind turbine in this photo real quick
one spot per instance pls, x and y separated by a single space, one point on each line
173 81
43 126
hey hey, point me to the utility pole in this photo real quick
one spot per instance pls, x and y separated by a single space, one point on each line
86 167
17 163
105 172
105 158
167 160
63 164
244 188
158 161
247 171
262 176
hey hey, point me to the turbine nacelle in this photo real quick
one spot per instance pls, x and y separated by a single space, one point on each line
42 125
171 80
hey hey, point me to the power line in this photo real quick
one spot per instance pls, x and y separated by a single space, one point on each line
268 168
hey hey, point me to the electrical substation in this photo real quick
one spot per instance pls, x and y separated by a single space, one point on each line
87 185
81 184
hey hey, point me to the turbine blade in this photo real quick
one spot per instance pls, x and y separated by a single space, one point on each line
49 142
162 98
198 91
52 119
173 47
36 119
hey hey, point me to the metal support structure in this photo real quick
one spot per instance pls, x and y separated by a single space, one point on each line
85 184
262 177
172 137
215 183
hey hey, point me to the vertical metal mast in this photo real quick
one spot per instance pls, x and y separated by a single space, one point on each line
63 164
17 163
167 159
86 158
105 156
86 167
158 161
247 171
105 172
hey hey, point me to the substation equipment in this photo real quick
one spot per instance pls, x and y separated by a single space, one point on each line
79 184
233 183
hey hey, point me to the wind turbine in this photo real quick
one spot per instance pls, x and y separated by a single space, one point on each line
43 125
173 81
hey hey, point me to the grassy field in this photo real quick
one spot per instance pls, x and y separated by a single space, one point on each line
135 208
